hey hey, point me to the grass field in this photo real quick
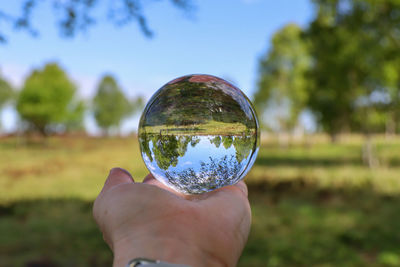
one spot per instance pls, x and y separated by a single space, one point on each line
313 205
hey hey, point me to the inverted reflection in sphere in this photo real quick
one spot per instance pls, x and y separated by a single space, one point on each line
198 133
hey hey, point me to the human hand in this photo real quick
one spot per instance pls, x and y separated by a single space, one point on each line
150 220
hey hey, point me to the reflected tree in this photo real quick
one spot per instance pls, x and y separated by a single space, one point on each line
216 141
243 146
227 141
201 175
210 100
183 142
144 141
212 175
167 149
194 140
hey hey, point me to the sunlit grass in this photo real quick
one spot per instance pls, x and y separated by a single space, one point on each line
331 165
314 203
64 167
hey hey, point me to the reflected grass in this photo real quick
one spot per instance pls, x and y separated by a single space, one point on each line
209 128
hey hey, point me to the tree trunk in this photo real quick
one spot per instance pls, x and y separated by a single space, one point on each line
42 130
334 137
390 127
368 154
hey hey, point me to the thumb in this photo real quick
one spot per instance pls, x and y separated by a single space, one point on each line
115 177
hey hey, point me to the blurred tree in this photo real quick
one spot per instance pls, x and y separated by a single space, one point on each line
282 79
47 101
78 15
6 94
334 77
349 40
381 21
110 105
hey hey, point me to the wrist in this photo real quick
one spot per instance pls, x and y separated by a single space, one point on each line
171 250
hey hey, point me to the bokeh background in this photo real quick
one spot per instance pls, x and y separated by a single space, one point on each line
324 76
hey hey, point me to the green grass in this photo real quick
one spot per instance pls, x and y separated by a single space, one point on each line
64 167
331 166
312 205
295 224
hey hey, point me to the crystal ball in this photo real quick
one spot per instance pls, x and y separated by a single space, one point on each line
198 133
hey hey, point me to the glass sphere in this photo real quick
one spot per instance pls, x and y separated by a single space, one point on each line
198 133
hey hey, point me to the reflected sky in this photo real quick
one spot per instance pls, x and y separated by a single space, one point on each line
197 164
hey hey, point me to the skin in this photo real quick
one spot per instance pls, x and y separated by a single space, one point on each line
149 220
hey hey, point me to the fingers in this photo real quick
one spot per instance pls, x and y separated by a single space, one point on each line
117 176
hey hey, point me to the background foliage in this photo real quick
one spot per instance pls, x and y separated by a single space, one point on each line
331 68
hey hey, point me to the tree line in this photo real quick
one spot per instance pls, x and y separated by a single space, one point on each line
48 102
343 67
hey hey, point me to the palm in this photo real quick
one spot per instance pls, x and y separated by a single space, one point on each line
217 222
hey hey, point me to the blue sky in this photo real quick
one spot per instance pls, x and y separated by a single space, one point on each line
224 38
